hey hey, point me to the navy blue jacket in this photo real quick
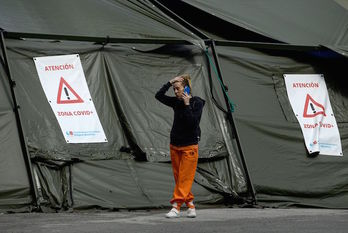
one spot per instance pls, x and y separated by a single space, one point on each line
185 130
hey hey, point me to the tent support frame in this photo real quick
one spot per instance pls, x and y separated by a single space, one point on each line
16 110
97 40
233 125
107 39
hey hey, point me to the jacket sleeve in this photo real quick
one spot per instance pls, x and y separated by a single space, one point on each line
164 99
193 113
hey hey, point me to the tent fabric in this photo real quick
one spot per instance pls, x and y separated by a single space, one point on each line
130 80
122 81
117 184
54 186
14 182
343 50
294 22
92 18
127 184
281 171
45 139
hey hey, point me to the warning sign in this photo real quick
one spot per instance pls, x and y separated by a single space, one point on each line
312 108
64 97
64 83
310 102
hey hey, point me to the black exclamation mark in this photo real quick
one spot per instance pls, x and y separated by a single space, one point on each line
67 93
312 107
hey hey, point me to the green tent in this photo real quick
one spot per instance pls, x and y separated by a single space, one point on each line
124 67
280 169
128 49
282 172
322 22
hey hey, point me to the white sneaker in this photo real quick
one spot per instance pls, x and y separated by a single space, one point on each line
191 213
173 213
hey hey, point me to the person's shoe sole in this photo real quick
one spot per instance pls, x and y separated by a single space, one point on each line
172 216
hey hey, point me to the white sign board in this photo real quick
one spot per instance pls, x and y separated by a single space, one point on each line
65 86
310 102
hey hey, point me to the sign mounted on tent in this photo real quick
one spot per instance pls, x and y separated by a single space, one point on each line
64 83
310 102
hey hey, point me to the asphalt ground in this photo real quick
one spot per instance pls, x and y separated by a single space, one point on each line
235 220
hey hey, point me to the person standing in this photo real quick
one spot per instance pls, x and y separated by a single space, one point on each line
184 137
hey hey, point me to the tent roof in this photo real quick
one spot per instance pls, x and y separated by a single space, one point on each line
295 22
93 18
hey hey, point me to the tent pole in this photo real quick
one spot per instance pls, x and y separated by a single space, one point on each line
231 120
96 40
24 146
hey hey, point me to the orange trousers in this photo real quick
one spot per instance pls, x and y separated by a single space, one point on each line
184 164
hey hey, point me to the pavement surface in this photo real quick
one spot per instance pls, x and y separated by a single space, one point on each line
235 220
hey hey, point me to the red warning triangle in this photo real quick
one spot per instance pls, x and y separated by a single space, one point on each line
313 110
75 100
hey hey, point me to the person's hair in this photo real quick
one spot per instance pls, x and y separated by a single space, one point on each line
187 80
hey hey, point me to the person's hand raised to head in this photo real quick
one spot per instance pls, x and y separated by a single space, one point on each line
176 79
